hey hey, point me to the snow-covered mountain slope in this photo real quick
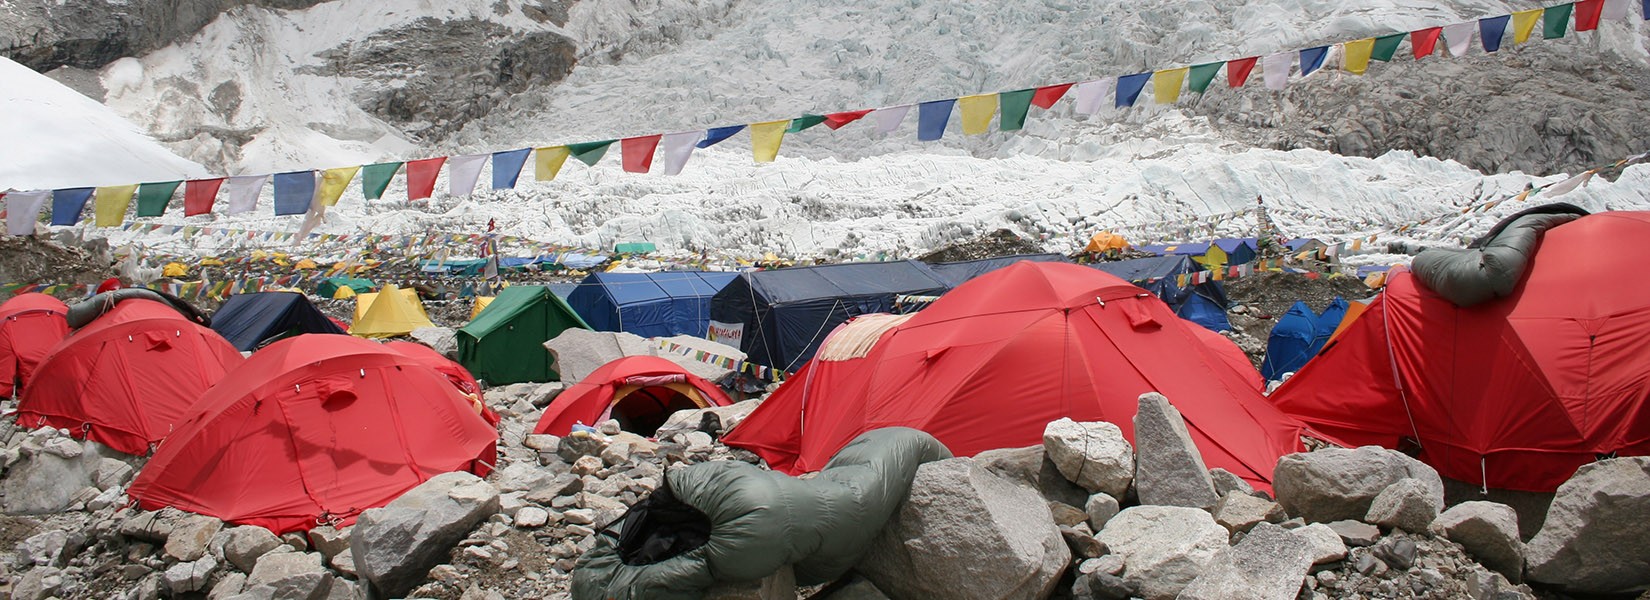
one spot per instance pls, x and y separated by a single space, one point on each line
52 136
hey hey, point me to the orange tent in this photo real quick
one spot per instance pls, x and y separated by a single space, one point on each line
1106 240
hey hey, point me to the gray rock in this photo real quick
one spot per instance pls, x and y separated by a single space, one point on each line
1031 466
1326 544
113 473
396 545
1066 515
1268 564
231 584
150 526
296 575
580 444
441 339
1100 508
1226 482
63 448
1356 533
542 442
1168 468
1164 548
1092 455
1333 484
963 523
44 549
1594 540
1082 543
243 546
532 517
546 393
728 417
186 577
344 563
329 541
1240 512
38 584
1408 505
521 476
1365 563
577 353
189 537
1489 532
1398 552
46 483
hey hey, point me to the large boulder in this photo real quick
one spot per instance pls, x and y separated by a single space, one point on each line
189 537
443 340
1335 484
296 575
395 546
244 545
1489 532
1093 455
1269 564
46 482
727 417
1168 468
578 352
1164 548
1031 467
1594 540
1408 505
186 577
964 532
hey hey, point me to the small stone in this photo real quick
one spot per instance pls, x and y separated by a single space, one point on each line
1082 543
1226 482
532 517
1241 512
1398 552
329 541
579 516
542 442
1326 544
1356 533
1366 564
245 544
295 540
188 539
587 465
1100 509
1066 515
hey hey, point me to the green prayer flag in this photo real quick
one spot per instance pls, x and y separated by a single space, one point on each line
1014 106
1201 75
804 122
1386 46
375 178
153 197
589 153
1555 20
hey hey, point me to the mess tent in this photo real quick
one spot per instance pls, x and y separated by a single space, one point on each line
126 379
299 436
640 392
659 304
779 317
30 326
1506 365
960 272
251 320
505 343
1061 340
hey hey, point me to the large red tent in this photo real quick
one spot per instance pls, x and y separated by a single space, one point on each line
30 325
312 430
456 374
1515 393
126 379
990 364
640 391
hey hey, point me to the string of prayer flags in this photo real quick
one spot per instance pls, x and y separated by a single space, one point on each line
637 152
1491 31
547 162
1014 106
376 178
68 203
977 112
153 197
243 193
507 167
334 182
931 119
421 175
678 148
294 192
109 209
766 139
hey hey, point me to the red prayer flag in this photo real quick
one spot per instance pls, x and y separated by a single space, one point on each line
638 152
198 196
1424 41
1587 14
1237 71
837 120
421 176
1046 96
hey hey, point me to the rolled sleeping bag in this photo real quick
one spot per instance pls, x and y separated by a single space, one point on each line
82 314
1491 266
732 522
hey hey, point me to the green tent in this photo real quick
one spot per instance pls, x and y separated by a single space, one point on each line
635 248
329 287
505 343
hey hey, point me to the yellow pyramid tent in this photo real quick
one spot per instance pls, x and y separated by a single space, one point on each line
390 312
174 269
481 303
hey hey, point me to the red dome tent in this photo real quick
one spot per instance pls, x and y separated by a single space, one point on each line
990 364
30 325
128 377
1515 393
456 374
640 391
312 430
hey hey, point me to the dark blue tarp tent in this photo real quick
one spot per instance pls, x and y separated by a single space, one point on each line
780 316
247 320
1239 251
1204 303
648 304
955 273
1298 336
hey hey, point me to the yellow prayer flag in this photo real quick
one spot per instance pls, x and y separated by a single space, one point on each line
547 162
977 112
766 138
111 204
1168 84
1523 23
1357 55
333 182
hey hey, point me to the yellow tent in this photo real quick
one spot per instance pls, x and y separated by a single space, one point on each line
1106 240
305 264
481 303
343 292
174 269
211 262
391 312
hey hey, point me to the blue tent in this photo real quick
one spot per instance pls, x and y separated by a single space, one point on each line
955 273
780 316
1239 251
1186 249
1204 303
248 320
1298 336
648 304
